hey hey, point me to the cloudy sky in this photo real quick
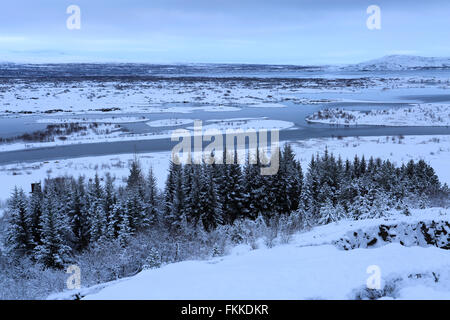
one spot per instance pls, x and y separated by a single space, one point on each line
229 31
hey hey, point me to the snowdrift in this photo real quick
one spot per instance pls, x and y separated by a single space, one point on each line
327 262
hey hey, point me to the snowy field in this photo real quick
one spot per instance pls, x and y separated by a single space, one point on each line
153 95
107 132
143 96
311 266
117 119
433 149
245 124
169 122
417 115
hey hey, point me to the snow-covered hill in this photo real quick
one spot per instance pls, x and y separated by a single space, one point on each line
400 62
328 262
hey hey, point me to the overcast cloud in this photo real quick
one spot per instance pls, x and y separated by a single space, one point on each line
232 31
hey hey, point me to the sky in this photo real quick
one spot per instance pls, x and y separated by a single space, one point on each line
303 32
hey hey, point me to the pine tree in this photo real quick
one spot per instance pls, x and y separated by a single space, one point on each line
153 260
328 213
361 207
114 221
18 236
193 208
188 189
125 231
171 185
98 223
312 189
211 214
152 198
136 181
255 188
97 215
78 214
232 190
135 208
54 251
110 200
35 213
219 172
289 182
175 198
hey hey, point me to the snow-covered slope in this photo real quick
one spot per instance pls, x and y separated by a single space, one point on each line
401 62
314 266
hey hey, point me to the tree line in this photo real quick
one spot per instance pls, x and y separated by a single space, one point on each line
70 215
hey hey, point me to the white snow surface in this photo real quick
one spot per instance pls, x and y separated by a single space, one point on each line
108 132
267 105
310 267
117 119
169 122
418 115
244 124
400 62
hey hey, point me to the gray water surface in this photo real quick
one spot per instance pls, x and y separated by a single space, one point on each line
370 99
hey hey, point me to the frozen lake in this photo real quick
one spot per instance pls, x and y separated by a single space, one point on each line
362 98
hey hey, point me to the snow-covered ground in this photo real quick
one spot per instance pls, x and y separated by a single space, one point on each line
311 266
171 95
418 115
169 122
107 132
150 96
401 62
267 105
246 124
104 133
118 119
23 174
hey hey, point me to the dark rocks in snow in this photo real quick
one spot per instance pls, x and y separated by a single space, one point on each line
422 233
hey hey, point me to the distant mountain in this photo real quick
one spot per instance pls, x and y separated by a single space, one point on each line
400 62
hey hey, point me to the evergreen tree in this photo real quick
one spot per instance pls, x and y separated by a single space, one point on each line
78 214
136 181
97 215
289 182
152 198
18 236
54 250
135 208
153 260
115 219
175 198
312 189
98 223
171 185
255 187
232 190
125 231
110 199
193 208
211 212
35 213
